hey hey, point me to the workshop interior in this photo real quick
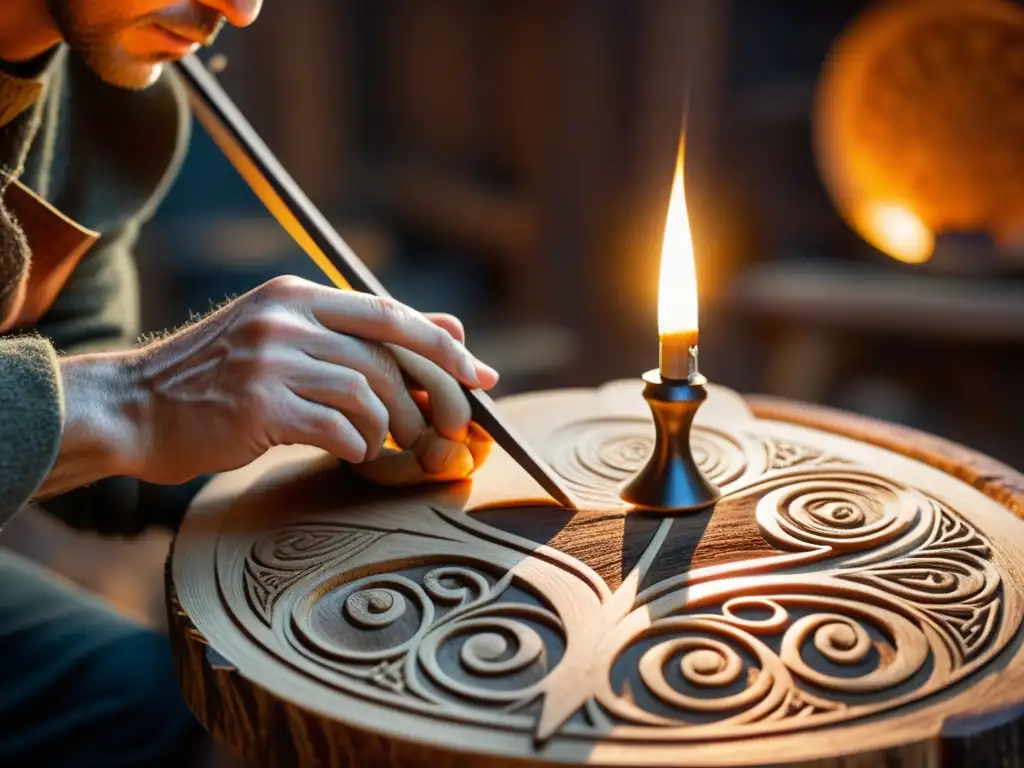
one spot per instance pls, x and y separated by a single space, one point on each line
857 211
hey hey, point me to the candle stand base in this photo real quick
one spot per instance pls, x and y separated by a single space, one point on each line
671 482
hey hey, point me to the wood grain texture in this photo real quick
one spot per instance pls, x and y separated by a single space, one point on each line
845 604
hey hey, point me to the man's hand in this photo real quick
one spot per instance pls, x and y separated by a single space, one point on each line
289 362
452 448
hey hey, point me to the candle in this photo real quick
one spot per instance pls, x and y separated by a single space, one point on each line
671 482
677 288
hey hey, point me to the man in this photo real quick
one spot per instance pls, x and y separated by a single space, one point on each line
93 125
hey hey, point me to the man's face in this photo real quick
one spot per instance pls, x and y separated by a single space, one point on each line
127 41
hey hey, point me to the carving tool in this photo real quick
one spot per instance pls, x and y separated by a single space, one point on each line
286 201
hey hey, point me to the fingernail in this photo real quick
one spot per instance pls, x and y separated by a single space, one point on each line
468 371
486 375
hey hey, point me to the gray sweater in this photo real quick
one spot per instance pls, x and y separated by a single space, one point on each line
103 156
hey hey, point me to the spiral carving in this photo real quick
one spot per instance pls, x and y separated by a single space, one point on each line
840 640
486 653
881 625
398 630
719 457
597 456
844 641
455 585
696 667
839 511
706 663
877 596
502 658
375 607
344 624
728 675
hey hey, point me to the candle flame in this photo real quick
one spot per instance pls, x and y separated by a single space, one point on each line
895 229
677 284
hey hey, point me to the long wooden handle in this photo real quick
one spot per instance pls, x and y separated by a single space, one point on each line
286 201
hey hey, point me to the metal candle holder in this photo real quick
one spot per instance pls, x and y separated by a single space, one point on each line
671 482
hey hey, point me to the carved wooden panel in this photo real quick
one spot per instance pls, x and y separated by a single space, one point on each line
842 599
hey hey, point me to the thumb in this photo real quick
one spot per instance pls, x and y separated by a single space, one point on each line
432 459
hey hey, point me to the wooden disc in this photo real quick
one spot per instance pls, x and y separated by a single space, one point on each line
920 113
856 596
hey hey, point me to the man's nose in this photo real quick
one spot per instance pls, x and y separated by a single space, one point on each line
239 13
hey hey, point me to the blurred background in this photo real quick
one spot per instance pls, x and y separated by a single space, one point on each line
854 185
510 161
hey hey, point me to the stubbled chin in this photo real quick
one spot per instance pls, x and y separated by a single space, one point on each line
135 76
152 74
115 62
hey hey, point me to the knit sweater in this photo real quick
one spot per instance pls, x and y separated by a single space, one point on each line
104 157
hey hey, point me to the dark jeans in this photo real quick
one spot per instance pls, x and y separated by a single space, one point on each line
82 686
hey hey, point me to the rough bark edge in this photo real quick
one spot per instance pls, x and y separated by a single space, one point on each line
268 731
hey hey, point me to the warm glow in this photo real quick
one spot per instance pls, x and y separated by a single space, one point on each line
677 285
894 229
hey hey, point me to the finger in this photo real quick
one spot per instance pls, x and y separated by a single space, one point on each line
449 407
450 323
392 468
387 321
348 392
432 459
439 456
402 468
310 423
377 363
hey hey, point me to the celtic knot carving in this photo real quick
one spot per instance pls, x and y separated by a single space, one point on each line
282 559
838 594
904 602
874 595
950 578
879 596
784 454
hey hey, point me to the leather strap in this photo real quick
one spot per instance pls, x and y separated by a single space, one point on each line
57 244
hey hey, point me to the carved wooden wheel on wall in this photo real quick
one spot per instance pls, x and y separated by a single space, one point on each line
921 105
858 591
